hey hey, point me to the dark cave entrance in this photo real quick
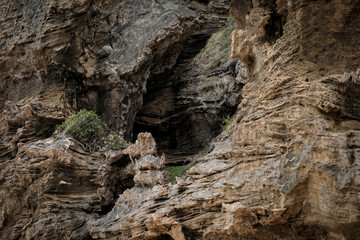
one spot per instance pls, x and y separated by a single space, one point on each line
178 131
182 118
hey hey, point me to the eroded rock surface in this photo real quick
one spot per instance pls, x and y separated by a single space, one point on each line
98 55
52 188
185 108
287 167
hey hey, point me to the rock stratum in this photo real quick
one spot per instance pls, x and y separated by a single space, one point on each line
287 166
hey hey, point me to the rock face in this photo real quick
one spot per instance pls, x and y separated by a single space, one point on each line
287 167
98 55
51 189
185 108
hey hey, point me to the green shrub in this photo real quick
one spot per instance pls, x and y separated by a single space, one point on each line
90 131
208 148
175 171
116 142
57 137
87 128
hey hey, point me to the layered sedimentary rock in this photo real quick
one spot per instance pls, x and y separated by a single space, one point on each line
53 188
58 57
99 55
288 166
185 108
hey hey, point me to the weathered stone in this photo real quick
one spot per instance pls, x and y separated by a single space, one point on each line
186 108
51 190
149 171
97 55
144 145
287 167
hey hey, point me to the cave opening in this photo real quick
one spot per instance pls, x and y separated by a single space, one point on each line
179 131
184 108
274 27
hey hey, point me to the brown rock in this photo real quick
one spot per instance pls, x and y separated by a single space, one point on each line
149 171
144 145
52 189
287 167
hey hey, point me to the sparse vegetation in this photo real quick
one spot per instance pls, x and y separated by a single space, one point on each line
116 142
227 123
57 137
87 128
218 48
175 171
180 171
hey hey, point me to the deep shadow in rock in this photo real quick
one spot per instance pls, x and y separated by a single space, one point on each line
185 107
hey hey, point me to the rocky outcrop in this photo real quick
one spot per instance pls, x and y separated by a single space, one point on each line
59 57
185 108
98 55
53 188
29 120
287 167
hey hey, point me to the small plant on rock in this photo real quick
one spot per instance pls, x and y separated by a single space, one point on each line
89 131
227 123
116 142
175 171
87 128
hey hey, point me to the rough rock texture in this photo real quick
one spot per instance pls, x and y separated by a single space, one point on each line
99 55
288 166
57 57
144 145
149 171
185 108
52 189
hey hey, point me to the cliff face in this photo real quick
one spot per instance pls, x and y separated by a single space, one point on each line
100 55
287 167
59 57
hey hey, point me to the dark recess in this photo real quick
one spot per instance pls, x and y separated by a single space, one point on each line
204 1
162 115
165 237
274 28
